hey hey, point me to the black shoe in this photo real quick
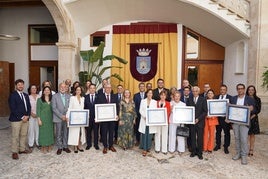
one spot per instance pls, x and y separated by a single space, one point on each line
88 147
192 155
226 151
97 147
200 157
217 148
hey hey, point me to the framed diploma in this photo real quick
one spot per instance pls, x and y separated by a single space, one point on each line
183 115
105 112
78 118
156 117
238 114
217 107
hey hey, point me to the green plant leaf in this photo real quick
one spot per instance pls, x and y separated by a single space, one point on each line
98 54
265 78
106 68
111 57
83 76
117 76
86 55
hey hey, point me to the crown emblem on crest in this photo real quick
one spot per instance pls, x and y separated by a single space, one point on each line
143 52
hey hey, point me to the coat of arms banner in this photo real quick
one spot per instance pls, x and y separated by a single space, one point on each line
143 60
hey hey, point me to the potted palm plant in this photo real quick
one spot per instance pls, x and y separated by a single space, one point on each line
95 69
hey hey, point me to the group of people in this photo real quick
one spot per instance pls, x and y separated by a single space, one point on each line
48 115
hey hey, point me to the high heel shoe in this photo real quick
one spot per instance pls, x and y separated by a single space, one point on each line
250 154
80 150
75 150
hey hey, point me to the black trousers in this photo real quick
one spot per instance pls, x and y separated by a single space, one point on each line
136 129
226 128
107 133
95 128
197 137
116 130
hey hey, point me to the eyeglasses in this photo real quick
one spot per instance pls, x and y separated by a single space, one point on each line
240 88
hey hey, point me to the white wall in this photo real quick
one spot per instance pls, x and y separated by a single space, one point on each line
232 73
15 21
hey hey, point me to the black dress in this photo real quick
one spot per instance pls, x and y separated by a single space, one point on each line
254 123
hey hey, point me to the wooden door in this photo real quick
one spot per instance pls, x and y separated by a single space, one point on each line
200 73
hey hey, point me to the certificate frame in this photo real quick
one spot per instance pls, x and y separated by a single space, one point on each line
156 117
238 114
183 115
78 118
105 112
217 107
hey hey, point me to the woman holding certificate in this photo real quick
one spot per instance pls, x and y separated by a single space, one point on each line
161 136
210 127
127 116
146 131
173 127
76 135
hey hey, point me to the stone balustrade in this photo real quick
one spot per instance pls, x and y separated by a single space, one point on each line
238 7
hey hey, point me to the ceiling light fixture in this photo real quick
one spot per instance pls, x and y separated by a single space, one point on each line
8 37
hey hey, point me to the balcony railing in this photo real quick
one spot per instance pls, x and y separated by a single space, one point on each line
238 7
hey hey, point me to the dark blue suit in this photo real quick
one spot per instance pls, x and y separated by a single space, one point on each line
137 100
107 128
225 127
17 108
197 130
92 125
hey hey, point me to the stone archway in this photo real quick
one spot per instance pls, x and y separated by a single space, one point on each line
68 65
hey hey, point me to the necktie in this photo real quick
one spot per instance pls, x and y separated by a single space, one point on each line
142 95
195 100
92 99
108 99
221 96
119 97
63 99
23 99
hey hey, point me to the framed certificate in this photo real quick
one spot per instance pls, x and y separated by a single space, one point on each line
105 112
217 107
156 117
78 118
238 114
183 115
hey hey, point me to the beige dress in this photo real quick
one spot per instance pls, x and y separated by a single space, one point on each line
73 136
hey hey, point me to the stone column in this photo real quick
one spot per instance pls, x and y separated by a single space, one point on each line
258 54
68 65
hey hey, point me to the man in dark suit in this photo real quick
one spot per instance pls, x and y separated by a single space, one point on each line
107 127
20 111
240 130
160 87
119 95
206 88
222 124
90 100
184 89
137 100
197 129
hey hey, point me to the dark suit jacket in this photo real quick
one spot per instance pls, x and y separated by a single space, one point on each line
156 95
113 99
137 100
17 108
201 109
90 106
247 102
227 97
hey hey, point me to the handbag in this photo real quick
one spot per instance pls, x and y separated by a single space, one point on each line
183 131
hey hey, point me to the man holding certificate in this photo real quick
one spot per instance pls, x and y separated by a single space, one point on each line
197 129
241 130
107 127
